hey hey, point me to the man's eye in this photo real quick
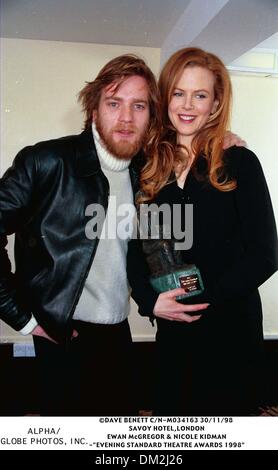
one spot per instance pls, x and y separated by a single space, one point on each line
139 106
113 104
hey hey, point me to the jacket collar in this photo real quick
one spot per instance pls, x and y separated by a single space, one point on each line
86 159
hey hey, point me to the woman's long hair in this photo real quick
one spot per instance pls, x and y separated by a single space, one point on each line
165 155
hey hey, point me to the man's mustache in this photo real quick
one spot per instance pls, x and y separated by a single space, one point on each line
125 129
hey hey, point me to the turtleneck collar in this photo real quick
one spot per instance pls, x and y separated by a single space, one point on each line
106 159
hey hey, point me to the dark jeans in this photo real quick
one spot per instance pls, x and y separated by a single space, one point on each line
92 376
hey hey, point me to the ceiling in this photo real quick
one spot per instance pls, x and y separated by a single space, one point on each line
227 27
125 22
270 43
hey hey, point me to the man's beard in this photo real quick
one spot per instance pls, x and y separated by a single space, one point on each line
123 149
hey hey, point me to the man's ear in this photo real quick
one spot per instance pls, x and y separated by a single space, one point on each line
94 115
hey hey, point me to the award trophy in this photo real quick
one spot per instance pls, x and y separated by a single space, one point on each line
168 270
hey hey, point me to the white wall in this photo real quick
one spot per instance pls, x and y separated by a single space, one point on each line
255 118
40 81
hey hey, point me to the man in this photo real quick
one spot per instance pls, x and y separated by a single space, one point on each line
70 290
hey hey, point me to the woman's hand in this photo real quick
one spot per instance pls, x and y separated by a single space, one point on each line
168 308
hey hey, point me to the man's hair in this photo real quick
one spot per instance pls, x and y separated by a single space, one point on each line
116 72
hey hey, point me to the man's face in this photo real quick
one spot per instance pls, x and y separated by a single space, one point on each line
122 117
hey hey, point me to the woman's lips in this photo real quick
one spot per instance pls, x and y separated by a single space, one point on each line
187 118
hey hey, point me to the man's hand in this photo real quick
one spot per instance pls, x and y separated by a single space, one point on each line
39 331
231 139
168 308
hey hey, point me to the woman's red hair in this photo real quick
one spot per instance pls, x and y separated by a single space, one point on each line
165 155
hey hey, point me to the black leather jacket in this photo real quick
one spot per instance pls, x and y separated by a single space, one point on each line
43 198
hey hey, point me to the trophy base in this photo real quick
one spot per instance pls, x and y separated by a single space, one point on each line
188 279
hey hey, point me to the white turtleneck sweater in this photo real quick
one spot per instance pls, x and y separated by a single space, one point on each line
105 297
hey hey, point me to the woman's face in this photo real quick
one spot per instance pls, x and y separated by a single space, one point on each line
192 102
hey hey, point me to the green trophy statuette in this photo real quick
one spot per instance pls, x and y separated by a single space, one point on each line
168 270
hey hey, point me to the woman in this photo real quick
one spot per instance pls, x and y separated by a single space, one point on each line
208 363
